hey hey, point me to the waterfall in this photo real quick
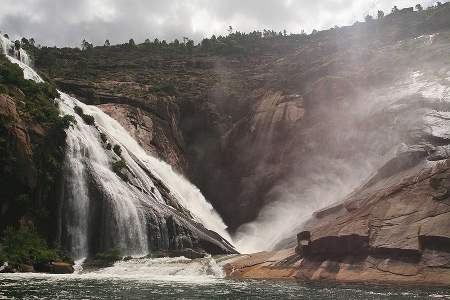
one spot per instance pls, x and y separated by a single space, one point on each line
9 49
100 210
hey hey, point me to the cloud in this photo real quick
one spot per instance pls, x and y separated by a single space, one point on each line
67 23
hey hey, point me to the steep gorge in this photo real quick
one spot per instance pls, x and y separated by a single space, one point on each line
294 124
240 126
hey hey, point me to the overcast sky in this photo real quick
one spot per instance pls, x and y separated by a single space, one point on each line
67 22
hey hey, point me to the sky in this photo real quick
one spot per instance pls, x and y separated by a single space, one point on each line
65 23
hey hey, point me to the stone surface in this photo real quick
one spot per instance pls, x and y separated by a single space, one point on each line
157 133
21 139
61 268
400 233
287 264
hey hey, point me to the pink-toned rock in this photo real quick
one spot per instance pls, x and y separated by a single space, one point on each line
61 268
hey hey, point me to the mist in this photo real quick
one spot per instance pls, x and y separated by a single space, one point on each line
343 149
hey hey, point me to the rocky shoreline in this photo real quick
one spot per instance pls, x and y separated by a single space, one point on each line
289 265
396 230
53 267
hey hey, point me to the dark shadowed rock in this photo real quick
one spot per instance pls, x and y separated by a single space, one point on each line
61 268
188 253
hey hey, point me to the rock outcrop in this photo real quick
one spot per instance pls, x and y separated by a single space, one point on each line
399 233
20 139
396 234
22 144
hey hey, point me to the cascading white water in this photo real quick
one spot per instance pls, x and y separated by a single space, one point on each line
125 207
83 151
188 195
10 50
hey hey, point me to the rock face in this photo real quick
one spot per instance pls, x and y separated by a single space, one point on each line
396 230
252 127
22 144
153 121
406 218
21 136
158 134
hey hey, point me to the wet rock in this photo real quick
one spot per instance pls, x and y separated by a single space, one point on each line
25 268
392 222
435 233
4 267
440 153
155 126
20 141
188 253
61 268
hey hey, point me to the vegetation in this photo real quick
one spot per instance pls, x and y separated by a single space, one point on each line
112 255
25 244
188 70
36 105
117 150
119 168
38 97
88 119
103 137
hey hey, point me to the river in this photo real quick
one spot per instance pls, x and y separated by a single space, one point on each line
40 286
182 278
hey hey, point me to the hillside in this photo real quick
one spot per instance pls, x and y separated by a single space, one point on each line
232 113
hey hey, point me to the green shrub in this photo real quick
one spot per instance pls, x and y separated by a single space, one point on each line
117 150
78 110
118 166
103 137
88 119
113 254
22 244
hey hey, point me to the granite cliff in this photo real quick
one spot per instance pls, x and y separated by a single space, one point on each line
240 122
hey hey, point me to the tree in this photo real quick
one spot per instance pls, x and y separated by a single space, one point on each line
85 45
419 7
131 42
394 9
368 18
24 41
17 45
380 14
48 59
190 46
230 29
107 43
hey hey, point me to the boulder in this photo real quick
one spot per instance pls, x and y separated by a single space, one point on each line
61 268
25 268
